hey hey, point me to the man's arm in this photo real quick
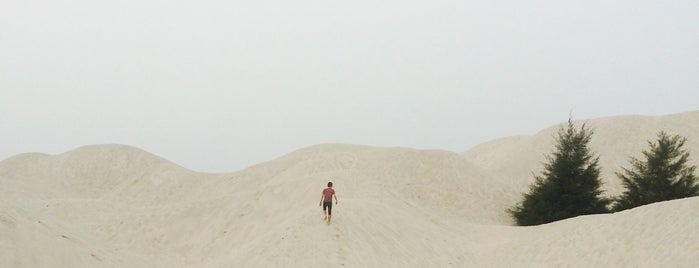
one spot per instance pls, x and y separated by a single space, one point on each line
335 198
321 200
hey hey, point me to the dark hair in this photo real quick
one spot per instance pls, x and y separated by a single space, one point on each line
330 184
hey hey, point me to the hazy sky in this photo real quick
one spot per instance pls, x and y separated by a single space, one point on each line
220 85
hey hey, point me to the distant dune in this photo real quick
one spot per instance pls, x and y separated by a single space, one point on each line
615 139
119 206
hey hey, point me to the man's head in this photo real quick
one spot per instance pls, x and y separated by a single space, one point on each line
330 184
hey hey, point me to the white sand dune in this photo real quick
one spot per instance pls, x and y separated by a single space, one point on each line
615 139
118 206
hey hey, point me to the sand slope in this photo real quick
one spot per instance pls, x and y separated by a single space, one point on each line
615 139
119 206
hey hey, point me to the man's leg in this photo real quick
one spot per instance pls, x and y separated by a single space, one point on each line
330 211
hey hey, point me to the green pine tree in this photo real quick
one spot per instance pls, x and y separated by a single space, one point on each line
569 185
663 175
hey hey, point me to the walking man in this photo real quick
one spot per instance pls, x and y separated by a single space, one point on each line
327 201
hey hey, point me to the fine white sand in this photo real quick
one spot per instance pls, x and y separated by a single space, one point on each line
118 206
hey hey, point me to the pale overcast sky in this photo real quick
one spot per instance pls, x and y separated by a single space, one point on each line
220 85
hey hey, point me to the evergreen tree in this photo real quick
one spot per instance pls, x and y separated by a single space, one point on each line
569 185
664 175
